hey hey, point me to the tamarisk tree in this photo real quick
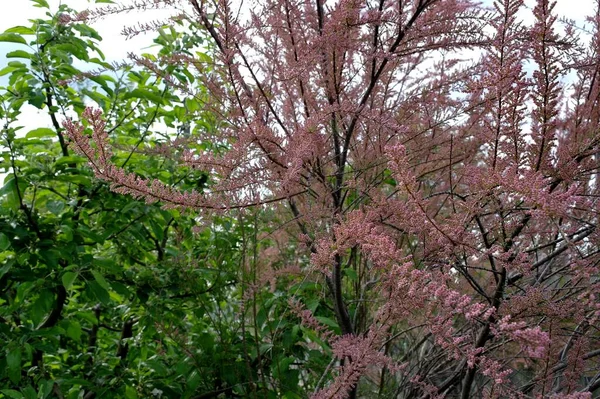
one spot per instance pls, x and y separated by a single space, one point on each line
437 161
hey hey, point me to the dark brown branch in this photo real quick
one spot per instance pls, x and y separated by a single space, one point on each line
54 317
126 332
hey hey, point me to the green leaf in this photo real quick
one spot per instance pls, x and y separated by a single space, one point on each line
13 362
70 159
41 306
6 268
130 392
12 38
47 332
265 347
75 49
10 186
77 179
158 367
284 364
193 380
327 321
156 229
107 264
7 70
18 54
351 273
89 317
88 31
30 392
192 104
90 234
74 330
100 279
4 242
40 132
50 256
145 95
94 95
17 64
11 393
65 233
99 292
23 291
120 289
45 388
22 30
56 207
41 3
129 206
37 99
68 278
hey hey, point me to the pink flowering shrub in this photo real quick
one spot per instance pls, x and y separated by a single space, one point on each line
444 155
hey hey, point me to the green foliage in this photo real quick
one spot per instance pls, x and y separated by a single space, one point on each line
103 296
